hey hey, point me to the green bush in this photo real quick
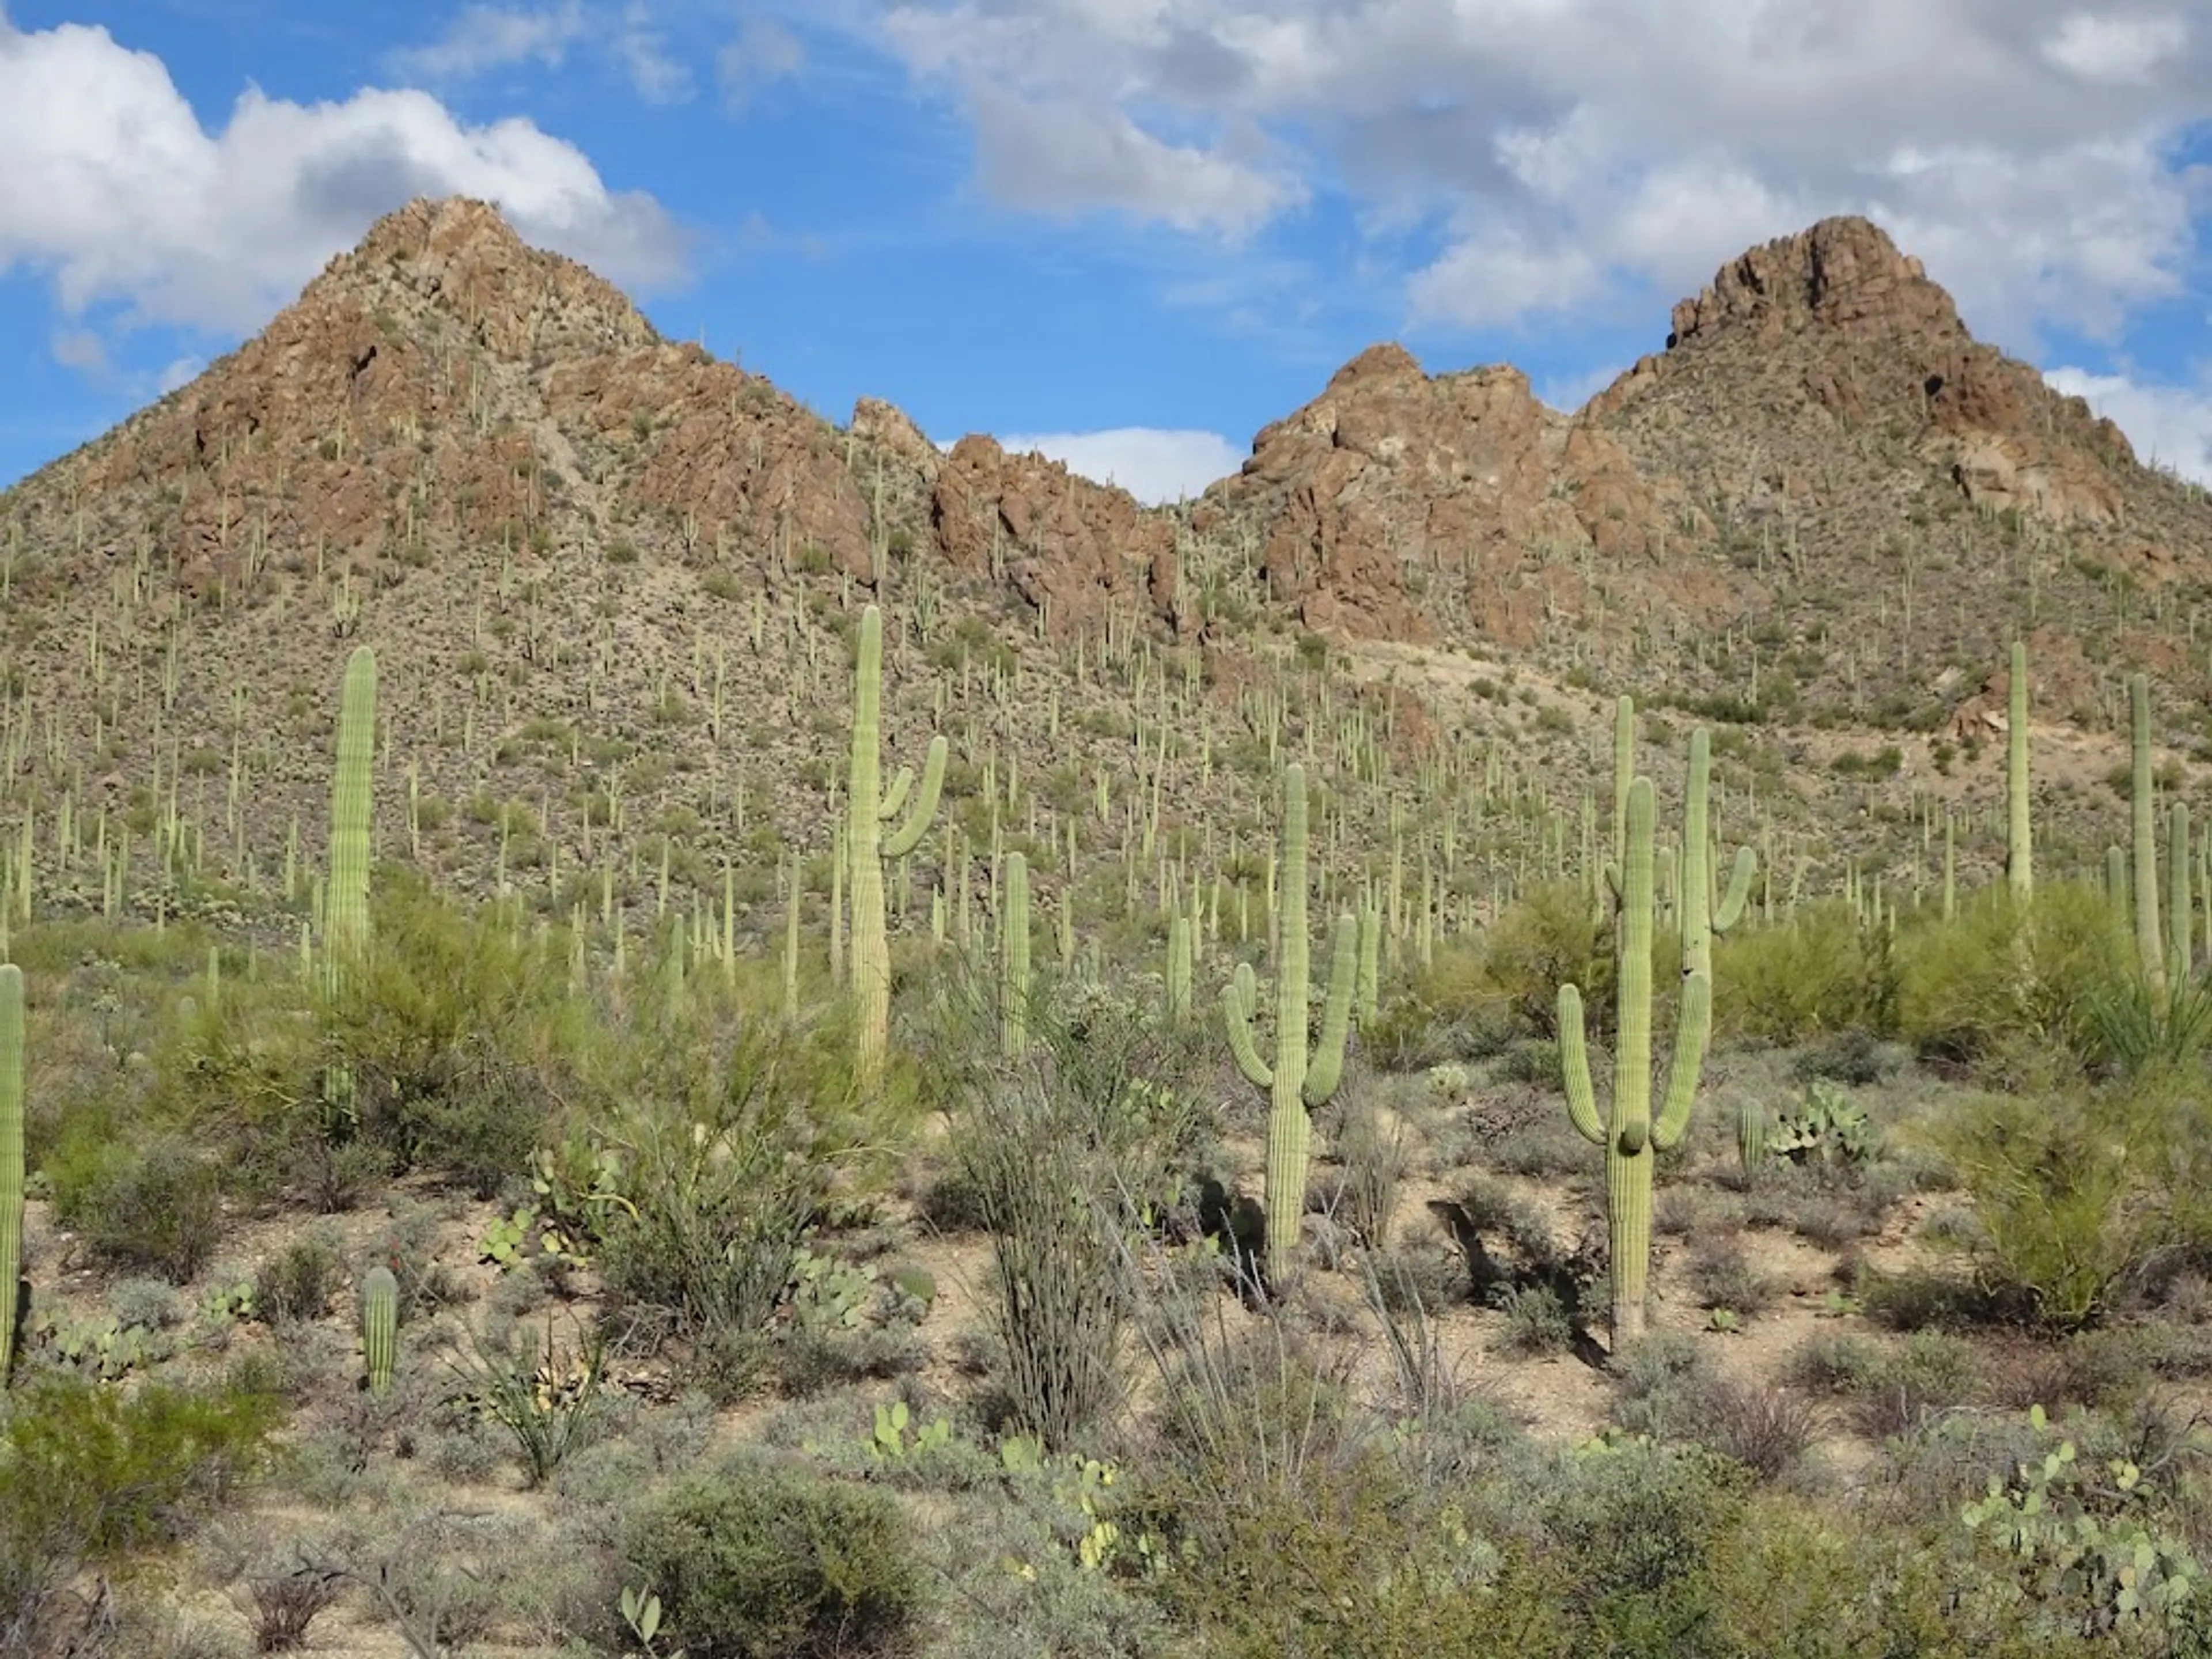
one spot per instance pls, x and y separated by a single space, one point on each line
2056 1193
1816 973
761 1560
1551 938
455 1032
87 1472
1974 988
733 1129
153 1205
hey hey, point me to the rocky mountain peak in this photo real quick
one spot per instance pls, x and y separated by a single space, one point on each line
1844 274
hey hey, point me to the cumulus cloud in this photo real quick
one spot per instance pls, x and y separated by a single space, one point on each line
1153 464
1549 153
2170 425
119 194
483 38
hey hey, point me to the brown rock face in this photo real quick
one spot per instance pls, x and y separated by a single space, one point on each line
1400 505
1073 548
1843 274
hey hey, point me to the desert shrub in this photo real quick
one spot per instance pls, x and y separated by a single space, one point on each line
1722 1276
1817 1586
1295 1531
1819 972
87 1471
1550 938
1537 1322
298 1282
153 1205
1637 1526
1997 975
763 1560
1374 1159
452 1031
2055 1193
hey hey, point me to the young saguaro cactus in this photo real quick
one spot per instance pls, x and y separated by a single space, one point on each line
1296 1082
868 807
380 1327
11 1160
1631 1135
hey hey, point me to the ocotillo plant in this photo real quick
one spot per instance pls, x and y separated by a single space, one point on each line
380 1327
11 1160
868 807
1296 1082
1014 958
1631 1135
2020 861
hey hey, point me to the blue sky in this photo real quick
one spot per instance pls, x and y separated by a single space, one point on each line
1126 232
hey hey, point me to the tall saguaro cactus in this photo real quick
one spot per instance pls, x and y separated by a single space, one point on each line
11 1160
2150 946
2019 859
1296 1082
1014 958
345 895
868 807
1630 1134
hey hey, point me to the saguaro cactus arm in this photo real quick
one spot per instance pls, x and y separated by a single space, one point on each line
1238 1000
899 842
1328 1067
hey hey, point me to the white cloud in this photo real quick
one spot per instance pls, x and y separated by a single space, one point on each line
117 191
1552 152
2170 425
655 75
2118 48
483 38
80 349
763 53
1153 464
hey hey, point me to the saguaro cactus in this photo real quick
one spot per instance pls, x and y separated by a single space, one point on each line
2149 947
2019 859
868 807
380 1327
1706 914
1296 1082
1014 958
11 1160
345 896
1630 1134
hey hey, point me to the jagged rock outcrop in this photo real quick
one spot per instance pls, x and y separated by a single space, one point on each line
1073 548
1393 489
